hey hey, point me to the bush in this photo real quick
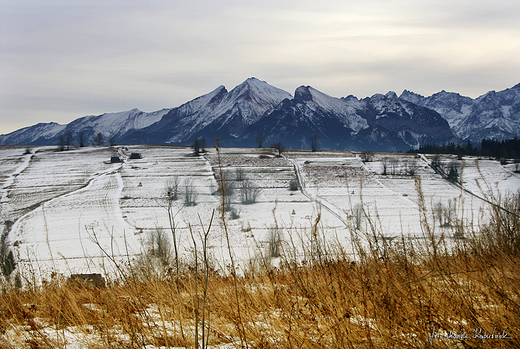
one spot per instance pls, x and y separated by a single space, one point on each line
274 243
190 195
366 156
249 192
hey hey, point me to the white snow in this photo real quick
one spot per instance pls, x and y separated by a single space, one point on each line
62 201
343 107
113 123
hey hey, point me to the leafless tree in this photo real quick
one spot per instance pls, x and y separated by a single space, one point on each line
314 142
172 188
190 194
61 143
394 164
366 156
240 174
228 190
385 164
98 140
68 139
278 146
249 192
411 167
160 246
196 145
274 242
357 215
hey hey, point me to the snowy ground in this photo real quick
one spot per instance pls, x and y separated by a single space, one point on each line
65 208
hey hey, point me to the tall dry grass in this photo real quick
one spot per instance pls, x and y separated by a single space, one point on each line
394 294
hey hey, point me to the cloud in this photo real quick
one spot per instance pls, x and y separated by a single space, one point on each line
63 59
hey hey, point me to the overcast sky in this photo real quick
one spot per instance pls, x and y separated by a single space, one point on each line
60 60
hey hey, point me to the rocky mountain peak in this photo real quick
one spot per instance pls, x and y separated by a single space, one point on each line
302 94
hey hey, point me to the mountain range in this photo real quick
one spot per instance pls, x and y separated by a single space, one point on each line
254 108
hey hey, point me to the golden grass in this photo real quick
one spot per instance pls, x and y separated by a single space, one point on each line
400 294
383 300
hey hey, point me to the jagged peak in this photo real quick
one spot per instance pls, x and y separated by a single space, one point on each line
408 92
309 93
391 94
302 94
260 89
378 96
350 98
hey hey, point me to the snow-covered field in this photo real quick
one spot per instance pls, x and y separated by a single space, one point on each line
64 208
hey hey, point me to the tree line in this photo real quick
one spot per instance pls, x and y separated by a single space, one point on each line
505 149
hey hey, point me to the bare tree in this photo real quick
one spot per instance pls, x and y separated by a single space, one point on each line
61 143
98 140
445 213
249 192
411 168
160 246
357 215
366 156
314 142
274 242
228 190
278 147
190 195
394 164
240 175
196 145
172 188
68 139
385 164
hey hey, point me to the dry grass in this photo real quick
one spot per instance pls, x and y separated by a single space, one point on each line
400 294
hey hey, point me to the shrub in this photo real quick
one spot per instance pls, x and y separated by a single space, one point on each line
366 156
190 195
249 192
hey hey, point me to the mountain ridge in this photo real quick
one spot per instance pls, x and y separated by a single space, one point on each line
380 122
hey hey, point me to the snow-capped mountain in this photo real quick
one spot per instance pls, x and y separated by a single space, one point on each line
39 134
376 123
493 115
110 125
253 108
217 114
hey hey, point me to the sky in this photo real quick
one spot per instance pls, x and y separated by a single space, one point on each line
63 59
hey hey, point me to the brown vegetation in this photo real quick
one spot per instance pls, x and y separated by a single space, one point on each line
429 293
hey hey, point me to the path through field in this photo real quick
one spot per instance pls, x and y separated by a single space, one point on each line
67 210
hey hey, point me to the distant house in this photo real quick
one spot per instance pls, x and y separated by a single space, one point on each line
115 159
136 156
